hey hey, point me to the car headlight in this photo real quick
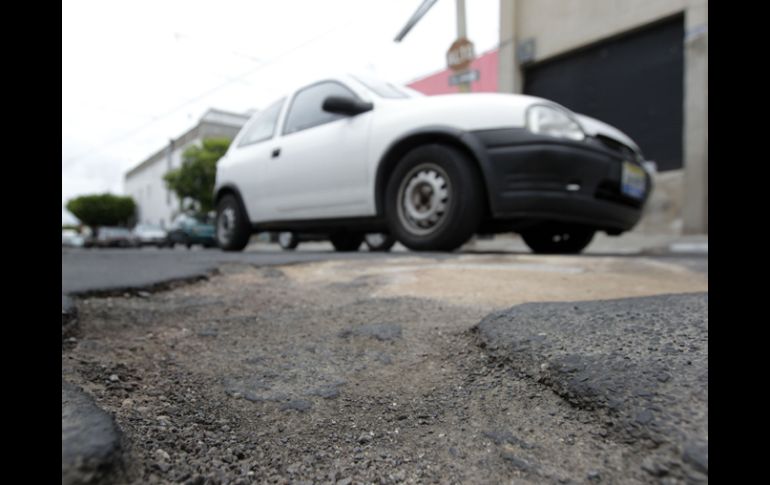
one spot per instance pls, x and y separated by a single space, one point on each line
548 120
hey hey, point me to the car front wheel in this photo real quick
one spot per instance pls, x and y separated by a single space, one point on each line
558 238
233 228
434 199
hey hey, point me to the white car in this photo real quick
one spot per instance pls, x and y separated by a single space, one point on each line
351 155
150 235
71 238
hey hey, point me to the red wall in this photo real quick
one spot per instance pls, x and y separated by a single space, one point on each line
438 83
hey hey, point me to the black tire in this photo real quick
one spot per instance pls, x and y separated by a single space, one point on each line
233 229
379 241
557 238
346 241
288 241
458 208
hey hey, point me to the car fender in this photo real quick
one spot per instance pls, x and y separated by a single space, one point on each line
230 188
450 135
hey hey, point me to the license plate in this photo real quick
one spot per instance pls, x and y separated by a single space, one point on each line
634 181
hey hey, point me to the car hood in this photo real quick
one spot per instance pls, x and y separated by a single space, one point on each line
477 111
468 111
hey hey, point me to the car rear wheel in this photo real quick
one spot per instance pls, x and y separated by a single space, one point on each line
558 238
346 241
434 199
379 241
288 241
233 229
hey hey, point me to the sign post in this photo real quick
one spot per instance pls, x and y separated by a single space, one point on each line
459 58
461 53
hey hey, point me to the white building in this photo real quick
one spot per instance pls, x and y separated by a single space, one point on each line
155 203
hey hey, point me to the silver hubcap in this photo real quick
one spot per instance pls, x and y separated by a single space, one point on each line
226 225
423 199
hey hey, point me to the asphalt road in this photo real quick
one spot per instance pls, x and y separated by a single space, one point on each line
390 368
96 270
85 270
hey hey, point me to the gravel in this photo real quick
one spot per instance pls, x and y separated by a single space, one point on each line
260 378
642 362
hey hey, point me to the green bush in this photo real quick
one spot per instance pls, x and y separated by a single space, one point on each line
102 209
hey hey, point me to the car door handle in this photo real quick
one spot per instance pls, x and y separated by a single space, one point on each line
276 152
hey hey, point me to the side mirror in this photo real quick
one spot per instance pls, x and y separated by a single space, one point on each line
345 106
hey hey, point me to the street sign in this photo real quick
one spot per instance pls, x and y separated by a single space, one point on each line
460 55
464 77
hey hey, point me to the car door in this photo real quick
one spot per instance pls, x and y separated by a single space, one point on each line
318 167
245 165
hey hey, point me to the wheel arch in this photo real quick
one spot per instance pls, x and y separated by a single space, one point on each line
445 135
232 190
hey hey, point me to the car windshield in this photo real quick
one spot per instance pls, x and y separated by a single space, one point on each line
382 88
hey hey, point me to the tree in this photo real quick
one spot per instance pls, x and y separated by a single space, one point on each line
194 180
102 210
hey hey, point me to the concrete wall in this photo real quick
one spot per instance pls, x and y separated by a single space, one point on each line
696 141
559 26
155 203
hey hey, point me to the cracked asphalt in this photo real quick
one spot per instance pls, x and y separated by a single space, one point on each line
412 369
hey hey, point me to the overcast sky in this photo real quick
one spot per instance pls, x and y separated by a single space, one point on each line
135 74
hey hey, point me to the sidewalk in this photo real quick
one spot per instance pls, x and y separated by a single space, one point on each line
628 243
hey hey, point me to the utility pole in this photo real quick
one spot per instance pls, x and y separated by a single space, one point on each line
460 54
461 19
465 87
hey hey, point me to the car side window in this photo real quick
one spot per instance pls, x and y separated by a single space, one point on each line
305 111
263 126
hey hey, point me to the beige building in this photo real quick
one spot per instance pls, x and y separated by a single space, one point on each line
641 65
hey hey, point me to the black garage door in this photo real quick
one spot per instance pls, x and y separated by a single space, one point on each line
633 82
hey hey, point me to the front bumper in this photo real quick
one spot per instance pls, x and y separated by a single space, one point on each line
533 177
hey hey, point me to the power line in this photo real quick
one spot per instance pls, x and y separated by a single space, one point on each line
205 94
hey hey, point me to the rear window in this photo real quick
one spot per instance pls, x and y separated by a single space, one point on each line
262 127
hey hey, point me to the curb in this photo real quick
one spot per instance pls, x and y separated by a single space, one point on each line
91 449
69 316
91 441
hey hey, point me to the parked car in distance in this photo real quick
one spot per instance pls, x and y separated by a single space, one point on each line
150 235
351 155
190 230
113 237
72 238
374 241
